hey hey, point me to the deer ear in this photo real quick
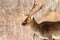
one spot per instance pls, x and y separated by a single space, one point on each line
31 17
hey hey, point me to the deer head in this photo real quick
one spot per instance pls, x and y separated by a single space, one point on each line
27 20
30 18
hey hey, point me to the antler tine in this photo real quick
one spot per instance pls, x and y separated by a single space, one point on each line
37 10
35 6
31 9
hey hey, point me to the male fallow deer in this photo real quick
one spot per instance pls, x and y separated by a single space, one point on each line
45 30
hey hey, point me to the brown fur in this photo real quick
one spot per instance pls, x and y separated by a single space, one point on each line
46 28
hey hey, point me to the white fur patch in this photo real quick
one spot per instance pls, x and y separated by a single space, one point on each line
40 36
55 37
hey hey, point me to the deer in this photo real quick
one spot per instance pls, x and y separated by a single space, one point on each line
45 30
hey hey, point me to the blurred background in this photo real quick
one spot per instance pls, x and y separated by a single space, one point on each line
12 14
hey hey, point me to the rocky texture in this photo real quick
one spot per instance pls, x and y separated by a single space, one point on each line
12 15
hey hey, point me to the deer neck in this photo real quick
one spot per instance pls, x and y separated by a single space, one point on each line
34 25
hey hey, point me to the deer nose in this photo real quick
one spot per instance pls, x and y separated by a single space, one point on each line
23 24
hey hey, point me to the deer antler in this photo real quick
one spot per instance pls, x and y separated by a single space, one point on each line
38 9
34 6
